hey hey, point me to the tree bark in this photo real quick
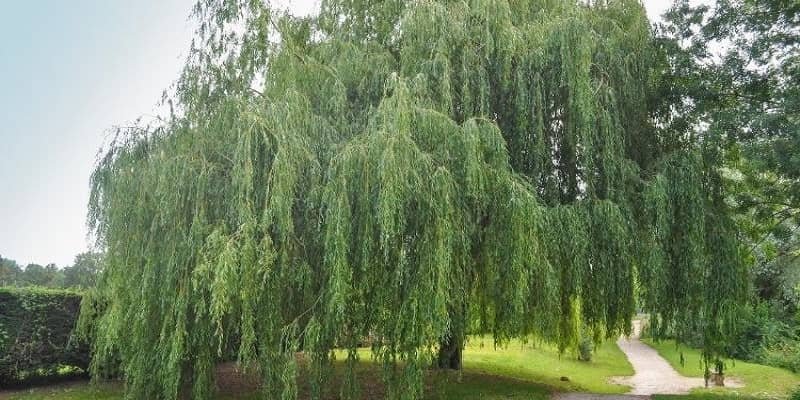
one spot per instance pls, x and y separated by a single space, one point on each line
450 354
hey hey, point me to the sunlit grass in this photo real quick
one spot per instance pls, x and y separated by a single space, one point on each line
759 380
544 364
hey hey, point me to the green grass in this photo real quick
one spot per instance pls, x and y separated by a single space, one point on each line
543 364
467 387
705 395
70 391
517 371
486 387
759 380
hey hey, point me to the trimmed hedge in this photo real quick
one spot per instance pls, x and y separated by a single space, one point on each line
36 335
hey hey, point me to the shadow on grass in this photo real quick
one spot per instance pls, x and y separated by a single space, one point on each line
440 385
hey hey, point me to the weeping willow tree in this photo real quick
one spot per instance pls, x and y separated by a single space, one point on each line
412 172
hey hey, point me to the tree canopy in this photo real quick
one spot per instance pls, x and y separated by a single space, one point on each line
412 172
736 67
734 72
81 275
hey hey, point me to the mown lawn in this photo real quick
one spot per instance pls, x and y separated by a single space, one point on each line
759 380
470 387
543 364
68 391
705 395
517 371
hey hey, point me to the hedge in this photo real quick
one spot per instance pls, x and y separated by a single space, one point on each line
36 335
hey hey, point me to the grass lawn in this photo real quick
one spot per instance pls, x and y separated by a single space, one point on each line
471 387
759 380
78 390
543 364
518 371
705 395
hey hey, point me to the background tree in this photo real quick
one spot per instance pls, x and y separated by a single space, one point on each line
82 274
37 275
734 73
735 67
84 271
10 272
416 172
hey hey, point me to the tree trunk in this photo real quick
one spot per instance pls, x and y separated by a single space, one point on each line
187 381
450 354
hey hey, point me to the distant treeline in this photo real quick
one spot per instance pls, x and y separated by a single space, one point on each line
81 274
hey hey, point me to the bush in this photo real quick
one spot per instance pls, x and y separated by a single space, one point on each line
767 335
795 394
36 340
761 325
585 348
785 354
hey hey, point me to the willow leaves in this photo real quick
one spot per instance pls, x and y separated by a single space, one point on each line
404 172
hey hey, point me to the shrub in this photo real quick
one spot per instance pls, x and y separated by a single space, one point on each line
585 348
785 354
36 340
760 325
795 394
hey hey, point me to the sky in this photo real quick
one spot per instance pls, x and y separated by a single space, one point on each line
69 72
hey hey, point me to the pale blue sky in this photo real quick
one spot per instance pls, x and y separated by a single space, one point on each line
69 71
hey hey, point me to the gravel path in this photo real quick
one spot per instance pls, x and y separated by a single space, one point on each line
653 374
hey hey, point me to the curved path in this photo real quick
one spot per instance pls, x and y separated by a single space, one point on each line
653 374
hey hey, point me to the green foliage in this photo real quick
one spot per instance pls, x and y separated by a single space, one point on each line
36 337
679 212
45 276
733 77
795 394
81 275
84 271
585 349
10 272
785 353
735 69
758 326
408 172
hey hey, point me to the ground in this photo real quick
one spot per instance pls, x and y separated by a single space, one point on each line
757 380
653 375
543 364
525 371
515 371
